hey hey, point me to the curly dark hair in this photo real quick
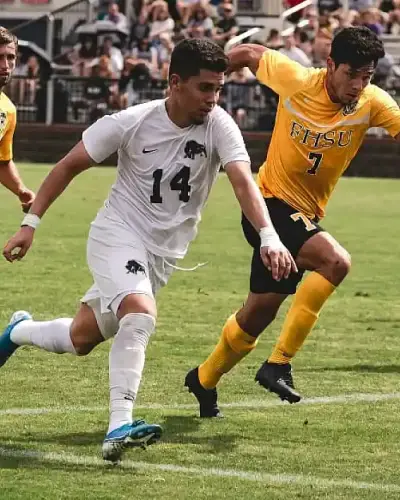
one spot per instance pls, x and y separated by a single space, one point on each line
192 55
357 47
7 37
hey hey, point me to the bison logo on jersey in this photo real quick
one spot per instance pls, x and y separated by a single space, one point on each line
134 267
192 148
3 122
349 109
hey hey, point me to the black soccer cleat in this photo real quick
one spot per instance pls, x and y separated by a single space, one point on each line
278 378
207 398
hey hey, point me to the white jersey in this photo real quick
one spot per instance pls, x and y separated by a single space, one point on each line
164 173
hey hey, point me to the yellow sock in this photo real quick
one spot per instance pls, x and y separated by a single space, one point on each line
301 317
233 346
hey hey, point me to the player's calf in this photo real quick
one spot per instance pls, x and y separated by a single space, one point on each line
85 331
258 312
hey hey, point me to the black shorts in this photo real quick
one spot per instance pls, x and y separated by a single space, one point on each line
294 230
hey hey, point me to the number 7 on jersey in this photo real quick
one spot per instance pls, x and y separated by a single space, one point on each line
316 158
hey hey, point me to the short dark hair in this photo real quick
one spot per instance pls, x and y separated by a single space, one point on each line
192 55
7 37
357 47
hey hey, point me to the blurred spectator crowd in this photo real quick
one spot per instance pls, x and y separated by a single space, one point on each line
126 60
142 46
309 39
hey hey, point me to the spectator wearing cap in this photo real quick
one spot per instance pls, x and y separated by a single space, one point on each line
227 27
330 7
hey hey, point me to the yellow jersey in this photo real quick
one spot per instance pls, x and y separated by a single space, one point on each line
314 139
8 121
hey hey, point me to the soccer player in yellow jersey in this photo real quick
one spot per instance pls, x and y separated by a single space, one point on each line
322 118
9 175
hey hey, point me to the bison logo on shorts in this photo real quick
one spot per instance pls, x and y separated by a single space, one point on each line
193 148
134 267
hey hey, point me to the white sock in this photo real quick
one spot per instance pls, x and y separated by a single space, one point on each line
52 336
127 357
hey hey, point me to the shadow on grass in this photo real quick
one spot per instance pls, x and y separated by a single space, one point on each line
36 459
179 429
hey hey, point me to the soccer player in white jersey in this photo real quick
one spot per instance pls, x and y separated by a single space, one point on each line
169 154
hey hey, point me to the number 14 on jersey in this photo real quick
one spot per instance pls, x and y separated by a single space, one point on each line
180 182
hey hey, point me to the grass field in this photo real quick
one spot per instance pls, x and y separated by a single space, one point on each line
343 443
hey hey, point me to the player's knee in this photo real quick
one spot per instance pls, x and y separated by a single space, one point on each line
340 264
137 303
82 344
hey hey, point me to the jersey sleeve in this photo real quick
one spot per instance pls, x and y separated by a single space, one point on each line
6 143
229 141
107 135
281 74
385 112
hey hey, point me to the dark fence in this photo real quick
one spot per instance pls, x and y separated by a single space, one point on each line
77 100
82 100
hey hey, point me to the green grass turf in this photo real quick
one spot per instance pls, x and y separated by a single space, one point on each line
354 349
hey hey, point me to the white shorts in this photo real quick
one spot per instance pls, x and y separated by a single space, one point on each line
120 265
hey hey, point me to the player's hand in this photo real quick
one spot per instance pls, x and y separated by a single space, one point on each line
275 256
279 261
26 197
17 246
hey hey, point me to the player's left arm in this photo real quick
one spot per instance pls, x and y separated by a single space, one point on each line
385 113
271 68
9 175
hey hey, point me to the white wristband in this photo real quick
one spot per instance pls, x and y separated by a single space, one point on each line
31 220
269 238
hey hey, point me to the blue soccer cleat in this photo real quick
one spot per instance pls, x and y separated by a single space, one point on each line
129 436
7 346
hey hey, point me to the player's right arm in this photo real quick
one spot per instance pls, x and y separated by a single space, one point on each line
75 162
10 178
235 160
99 141
273 69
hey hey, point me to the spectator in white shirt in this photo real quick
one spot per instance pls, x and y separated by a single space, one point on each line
116 17
294 53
